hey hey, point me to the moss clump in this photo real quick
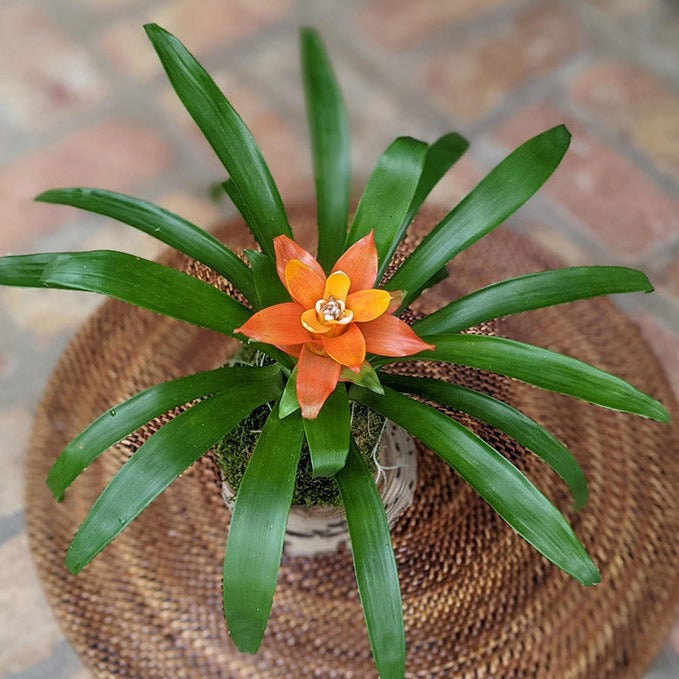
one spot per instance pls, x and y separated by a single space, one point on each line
234 450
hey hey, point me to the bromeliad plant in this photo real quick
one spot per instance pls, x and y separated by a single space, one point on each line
329 325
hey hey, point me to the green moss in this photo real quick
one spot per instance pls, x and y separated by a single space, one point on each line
234 450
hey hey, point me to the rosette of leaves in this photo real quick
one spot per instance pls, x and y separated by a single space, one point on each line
219 399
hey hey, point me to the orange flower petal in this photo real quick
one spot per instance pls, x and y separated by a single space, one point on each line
359 262
337 286
347 348
278 324
317 377
390 336
367 305
303 283
286 249
310 321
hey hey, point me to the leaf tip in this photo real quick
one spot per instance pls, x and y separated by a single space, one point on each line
55 487
563 131
660 413
73 565
307 32
592 576
152 28
44 197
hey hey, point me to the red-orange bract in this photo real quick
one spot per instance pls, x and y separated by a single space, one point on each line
332 321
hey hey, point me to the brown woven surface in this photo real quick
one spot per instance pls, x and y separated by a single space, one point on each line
478 601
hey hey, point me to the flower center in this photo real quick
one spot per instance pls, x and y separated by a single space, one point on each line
333 311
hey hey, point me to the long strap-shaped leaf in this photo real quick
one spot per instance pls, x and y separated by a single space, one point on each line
255 543
508 186
441 156
124 418
493 477
388 195
26 271
532 291
144 283
543 368
375 566
329 130
159 461
227 134
328 435
505 418
288 403
161 224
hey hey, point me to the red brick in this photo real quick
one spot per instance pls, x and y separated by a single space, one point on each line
43 76
669 278
457 183
113 155
616 9
199 25
398 24
667 37
636 104
560 244
50 314
607 195
284 151
664 342
475 77
104 3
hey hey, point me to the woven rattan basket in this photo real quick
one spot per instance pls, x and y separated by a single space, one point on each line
478 601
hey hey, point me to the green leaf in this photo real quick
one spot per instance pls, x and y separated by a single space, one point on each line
328 435
542 368
330 143
268 286
493 477
441 156
146 284
508 186
26 270
227 134
161 224
124 418
375 566
255 543
533 291
289 403
158 462
388 196
505 418
367 377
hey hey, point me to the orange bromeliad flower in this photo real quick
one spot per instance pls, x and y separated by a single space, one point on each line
332 321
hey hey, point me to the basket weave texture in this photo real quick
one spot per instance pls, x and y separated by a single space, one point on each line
478 601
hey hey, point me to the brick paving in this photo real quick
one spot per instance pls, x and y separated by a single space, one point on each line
83 100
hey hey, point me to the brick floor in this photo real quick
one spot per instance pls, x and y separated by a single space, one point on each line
83 100
114 154
629 100
592 170
477 76
44 76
